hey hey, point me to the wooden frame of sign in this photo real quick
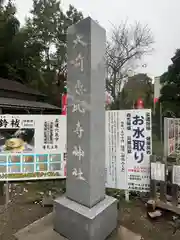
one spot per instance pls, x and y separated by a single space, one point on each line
163 189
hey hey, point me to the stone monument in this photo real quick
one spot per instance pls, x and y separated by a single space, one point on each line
85 212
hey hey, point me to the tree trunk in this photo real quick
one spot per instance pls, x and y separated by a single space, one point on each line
114 86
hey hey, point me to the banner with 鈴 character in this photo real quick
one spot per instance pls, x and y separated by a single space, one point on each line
32 147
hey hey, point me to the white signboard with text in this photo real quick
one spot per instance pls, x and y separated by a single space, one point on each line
158 171
171 135
176 175
116 164
32 147
128 149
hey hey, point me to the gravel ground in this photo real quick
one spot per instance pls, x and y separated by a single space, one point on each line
24 209
133 216
19 216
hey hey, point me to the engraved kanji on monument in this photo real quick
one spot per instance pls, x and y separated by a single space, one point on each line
86 212
85 130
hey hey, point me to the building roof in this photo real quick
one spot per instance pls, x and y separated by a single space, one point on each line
10 85
19 103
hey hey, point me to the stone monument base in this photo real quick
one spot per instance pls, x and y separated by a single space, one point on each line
77 222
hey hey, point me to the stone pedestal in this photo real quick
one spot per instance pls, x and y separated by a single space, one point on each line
75 221
85 213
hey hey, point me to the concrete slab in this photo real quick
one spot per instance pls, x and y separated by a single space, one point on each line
43 230
40 229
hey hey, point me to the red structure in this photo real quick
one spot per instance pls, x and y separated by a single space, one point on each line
156 100
64 104
139 104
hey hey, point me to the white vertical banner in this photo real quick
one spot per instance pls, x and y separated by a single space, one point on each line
111 148
157 88
166 147
169 136
178 127
115 150
122 153
139 148
128 149
108 168
176 175
176 133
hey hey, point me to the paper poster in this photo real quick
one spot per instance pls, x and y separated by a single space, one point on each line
128 149
32 146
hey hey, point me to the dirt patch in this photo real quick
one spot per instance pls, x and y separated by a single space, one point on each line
24 209
133 216
19 216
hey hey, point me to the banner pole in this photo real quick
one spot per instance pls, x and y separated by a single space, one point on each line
161 127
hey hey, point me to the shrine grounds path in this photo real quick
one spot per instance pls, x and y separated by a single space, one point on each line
25 209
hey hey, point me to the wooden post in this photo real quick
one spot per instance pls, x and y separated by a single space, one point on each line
7 194
174 191
2 196
163 184
174 194
153 188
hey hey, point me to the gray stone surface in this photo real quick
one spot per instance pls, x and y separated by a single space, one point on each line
86 213
90 113
43 230
47 201
80 222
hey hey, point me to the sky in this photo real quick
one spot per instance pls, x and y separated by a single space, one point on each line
160 15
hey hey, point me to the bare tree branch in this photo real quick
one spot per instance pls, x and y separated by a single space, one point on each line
127 44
